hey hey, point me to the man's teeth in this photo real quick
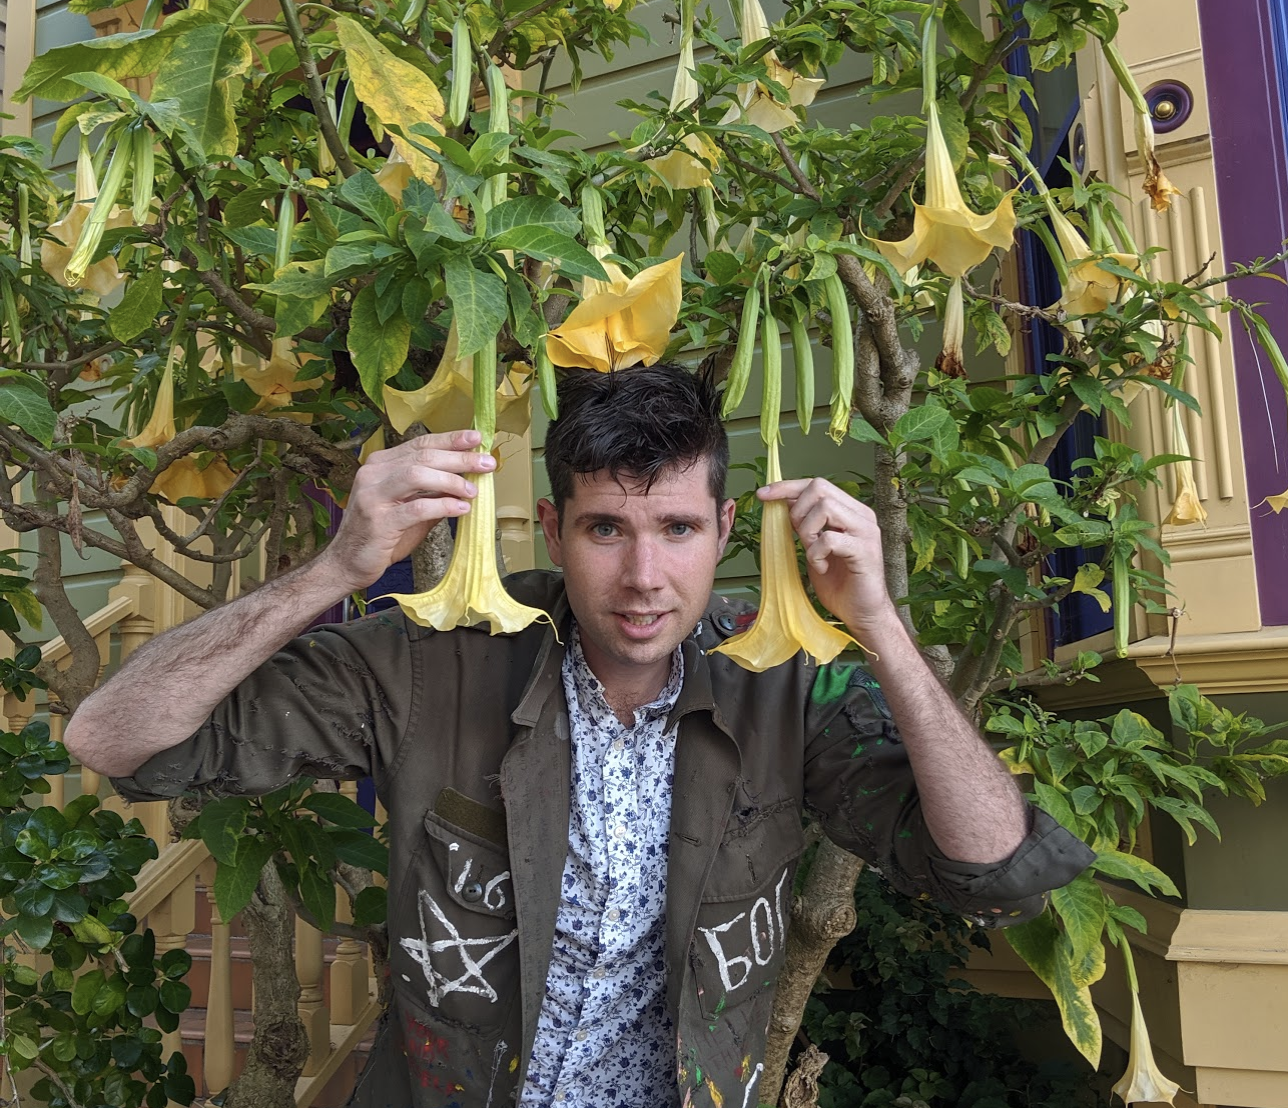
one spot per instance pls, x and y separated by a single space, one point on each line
642 621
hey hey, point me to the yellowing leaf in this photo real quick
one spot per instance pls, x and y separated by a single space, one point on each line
1085 581
398 93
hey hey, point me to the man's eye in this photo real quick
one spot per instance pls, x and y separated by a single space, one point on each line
602 530
681 528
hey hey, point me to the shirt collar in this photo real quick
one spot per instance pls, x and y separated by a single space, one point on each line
590 690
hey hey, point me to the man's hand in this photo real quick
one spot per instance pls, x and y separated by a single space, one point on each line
397 496
842 544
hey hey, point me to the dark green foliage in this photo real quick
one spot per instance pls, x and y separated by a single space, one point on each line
63 878
911 1033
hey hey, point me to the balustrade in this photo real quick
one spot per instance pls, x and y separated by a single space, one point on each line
168 887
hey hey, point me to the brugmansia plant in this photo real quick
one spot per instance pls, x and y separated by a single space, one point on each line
381 224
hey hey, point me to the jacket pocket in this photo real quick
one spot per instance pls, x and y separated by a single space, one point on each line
455 942
740 939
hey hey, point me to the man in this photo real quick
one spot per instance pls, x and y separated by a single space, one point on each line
594 828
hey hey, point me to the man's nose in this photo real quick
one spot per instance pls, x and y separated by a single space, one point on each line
642 569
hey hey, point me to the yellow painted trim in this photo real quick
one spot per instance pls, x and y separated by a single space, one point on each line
1247 938
19 50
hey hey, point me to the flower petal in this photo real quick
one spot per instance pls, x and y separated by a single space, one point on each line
621 326
1144 1082
471 591
786 622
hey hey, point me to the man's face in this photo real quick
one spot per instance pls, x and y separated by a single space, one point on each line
638 567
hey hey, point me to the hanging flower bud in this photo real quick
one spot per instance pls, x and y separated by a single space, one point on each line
755 102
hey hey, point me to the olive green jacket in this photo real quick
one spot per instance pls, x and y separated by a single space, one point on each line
467 738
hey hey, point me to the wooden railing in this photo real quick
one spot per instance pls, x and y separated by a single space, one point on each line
168 888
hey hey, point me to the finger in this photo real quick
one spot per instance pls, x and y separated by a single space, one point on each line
452 461
417 482
812 524
446 440
784 490
414 513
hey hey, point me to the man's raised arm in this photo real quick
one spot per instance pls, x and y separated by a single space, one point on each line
170 685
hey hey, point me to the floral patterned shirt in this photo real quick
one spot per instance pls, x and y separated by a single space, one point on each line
604 1036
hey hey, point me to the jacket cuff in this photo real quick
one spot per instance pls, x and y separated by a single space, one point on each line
998 894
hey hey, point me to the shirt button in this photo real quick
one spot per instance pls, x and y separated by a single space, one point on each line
600 972
618 744
619 832
581 1036
612 915
561 1096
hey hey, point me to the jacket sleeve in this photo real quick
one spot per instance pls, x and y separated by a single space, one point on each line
859 783
332 703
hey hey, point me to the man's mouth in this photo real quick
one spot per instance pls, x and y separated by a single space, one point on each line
641 619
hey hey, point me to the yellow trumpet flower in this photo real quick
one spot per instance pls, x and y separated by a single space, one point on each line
689 165
1276 503
1156 185
183 477
1187 508
471 591
275 380
944 230
786 622
621 322
755 104
1088 288
951 362
395 175
1144 1082
103 277
446 402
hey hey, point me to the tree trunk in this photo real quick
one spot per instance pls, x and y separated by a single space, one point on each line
430 559
280 1045
822 914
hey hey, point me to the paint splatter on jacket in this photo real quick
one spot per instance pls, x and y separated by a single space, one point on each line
466 736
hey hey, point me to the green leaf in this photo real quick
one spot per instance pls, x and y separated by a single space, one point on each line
35 931
340 810
175 996
478 300
568 256
222 824
1089 390
862 431
1128 867
28 410
1081 906
532 211
359 849
378 349
1052 801
930 425
201 73
139 307
85 990
365 194
235 883
371 906
126 55
1049 954
302 279
963 33
318 894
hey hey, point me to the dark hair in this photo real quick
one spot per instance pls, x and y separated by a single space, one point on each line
635 424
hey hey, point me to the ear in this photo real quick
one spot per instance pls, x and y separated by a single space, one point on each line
549 518
725 514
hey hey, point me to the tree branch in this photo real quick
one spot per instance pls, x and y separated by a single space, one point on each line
803 185
317 94
76 681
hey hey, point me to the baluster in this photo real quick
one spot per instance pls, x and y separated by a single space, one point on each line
317 1021
57 794
220 1048
172 922
349 974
